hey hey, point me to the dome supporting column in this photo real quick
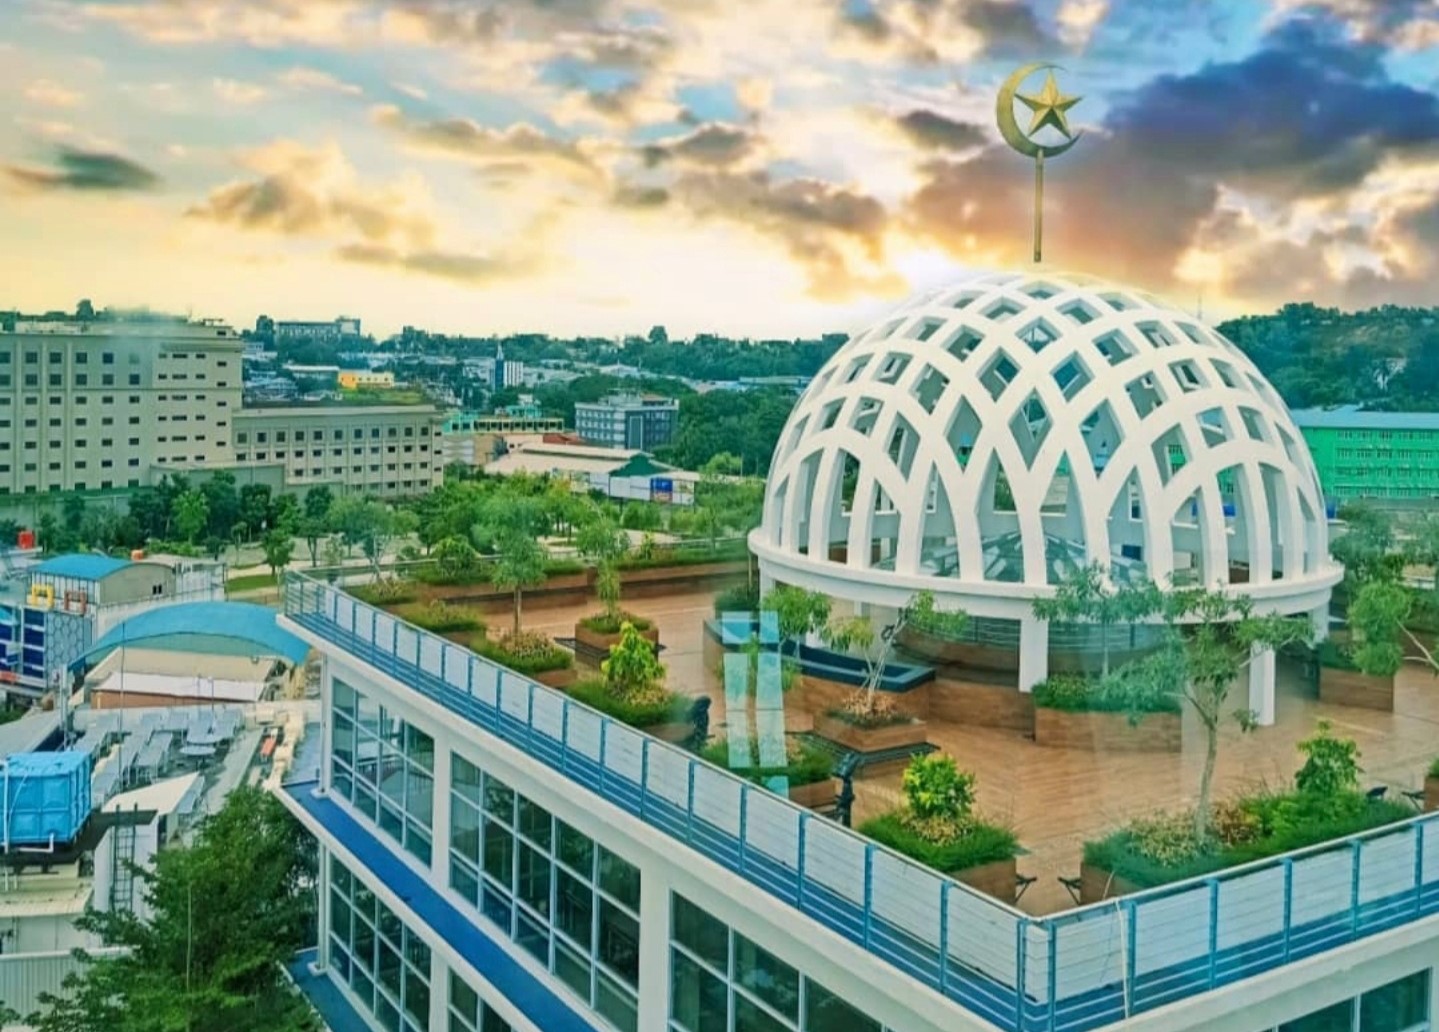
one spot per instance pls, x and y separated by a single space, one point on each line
1033 651
1261 685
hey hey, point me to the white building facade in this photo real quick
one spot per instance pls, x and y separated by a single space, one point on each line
495 856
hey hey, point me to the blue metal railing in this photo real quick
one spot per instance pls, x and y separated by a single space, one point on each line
1074 971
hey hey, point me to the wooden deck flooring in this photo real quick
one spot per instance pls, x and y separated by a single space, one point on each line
1057 798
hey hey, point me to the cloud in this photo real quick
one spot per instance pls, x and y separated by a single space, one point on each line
713 144
53 94
315 192
232 91
450 265
834 233
933 131
469 140
1299 125
641 197
412 91
85 171
300 191
1077 20
1405 24
930 31
302 78
262 23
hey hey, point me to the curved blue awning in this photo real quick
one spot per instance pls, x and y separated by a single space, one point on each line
244 622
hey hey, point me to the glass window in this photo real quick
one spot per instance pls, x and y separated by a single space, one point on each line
533 883
750 1017
705 936
824 1011
620 878
698 998
465 831
499 799
619 945
575 850
1338 1018
767 977
1400 1005
499 853
534 823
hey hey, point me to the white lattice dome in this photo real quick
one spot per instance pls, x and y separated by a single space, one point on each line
984 438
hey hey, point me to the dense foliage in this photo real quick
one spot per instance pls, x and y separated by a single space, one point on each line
1384 357
642 711
526 652
806 764
937 825
1324 804
1077 693
227 912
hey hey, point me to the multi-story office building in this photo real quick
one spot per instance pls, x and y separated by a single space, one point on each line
495 856
640 421
1386 457
88 406
331 331
375 449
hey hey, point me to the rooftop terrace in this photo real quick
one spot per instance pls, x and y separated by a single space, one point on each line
1036 968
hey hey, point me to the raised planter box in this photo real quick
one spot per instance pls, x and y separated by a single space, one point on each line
685 571
813 795
561 679
980 704
998 879
1431 794
1097 884
601 642
1352 688
1107 732
870 739
818 694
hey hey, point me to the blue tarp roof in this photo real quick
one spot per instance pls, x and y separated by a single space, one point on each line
81 567
46 764
241 621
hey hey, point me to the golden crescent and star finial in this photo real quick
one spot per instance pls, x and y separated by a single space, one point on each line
1049 109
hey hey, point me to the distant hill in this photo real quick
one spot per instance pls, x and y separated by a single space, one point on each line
1383 358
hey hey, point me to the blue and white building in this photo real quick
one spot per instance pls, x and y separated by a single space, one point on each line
496 856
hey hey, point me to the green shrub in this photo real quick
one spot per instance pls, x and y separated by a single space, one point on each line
526 653
1331 765
1334 656
384 593
935 787
742 598
644 711
1434 768
610 623
443 617
979 843
1075 693
1159 850
808 763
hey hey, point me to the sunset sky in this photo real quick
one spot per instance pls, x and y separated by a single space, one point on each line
763 167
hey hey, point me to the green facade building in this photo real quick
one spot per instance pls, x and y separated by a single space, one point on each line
1385 457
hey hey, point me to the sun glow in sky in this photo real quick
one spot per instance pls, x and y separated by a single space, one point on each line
761 167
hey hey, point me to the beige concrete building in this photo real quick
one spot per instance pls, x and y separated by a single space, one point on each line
89 406
111 405
376 449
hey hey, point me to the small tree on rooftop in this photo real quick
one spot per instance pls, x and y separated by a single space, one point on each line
1089 595
519 565
601 541
1376 615
1211 640
798 612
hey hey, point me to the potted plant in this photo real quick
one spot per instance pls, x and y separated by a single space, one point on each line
1361 673
937 826
867 720
631 689
808 768
603 543
1431 787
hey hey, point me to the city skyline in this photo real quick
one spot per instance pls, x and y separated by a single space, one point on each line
595 167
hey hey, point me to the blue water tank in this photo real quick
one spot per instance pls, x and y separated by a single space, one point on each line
46 796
